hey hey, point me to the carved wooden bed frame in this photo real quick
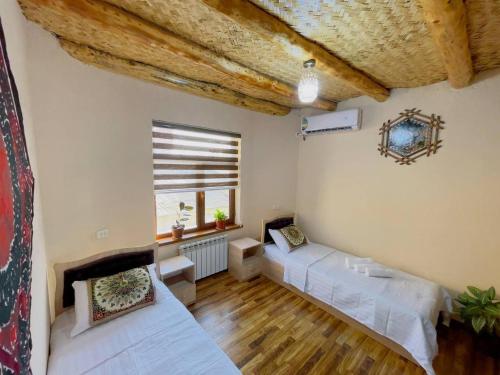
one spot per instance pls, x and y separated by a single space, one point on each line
99 265
274 271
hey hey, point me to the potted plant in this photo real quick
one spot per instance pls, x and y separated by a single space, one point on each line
183 215
481 310
220 219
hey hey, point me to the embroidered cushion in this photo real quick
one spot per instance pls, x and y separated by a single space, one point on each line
288 238
84 310
294 236
112 296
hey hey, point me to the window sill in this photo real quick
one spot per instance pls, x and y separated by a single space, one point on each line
194 235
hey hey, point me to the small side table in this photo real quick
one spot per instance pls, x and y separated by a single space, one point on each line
245 258
178 274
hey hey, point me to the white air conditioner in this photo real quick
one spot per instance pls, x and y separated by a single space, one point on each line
348 120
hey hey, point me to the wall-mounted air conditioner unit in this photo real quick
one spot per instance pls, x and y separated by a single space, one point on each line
348 120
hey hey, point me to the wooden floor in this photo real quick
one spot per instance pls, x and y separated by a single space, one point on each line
266 329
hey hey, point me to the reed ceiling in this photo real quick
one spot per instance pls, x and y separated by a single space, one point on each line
250 53
388 40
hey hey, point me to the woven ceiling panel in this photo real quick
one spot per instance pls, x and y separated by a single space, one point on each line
484 33
387 39
205 26
103 34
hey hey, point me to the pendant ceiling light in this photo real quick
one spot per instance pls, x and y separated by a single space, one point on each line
308 85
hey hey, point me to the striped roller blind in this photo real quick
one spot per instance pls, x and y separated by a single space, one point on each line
187 158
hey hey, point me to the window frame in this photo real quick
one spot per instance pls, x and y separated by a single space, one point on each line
201 225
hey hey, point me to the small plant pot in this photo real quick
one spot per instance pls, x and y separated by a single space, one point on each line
177 232
220 224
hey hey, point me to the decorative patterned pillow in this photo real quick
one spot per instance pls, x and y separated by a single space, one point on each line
82 306
293 236
288 238
112 296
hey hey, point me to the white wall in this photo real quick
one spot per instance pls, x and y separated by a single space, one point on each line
15 28
95 151
437 218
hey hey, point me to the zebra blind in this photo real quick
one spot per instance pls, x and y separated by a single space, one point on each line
187 158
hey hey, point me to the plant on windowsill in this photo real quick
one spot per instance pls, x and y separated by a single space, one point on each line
481 310
183 215
220 219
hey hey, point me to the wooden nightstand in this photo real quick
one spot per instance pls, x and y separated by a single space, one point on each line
178 274
244 258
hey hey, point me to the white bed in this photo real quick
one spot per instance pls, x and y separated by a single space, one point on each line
158 339
404 308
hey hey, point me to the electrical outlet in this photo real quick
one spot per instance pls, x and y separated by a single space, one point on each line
102 233
275 207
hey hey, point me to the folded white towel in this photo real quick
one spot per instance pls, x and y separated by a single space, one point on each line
372 270
361 267
351 262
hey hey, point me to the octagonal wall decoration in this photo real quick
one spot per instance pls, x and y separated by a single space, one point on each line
410 136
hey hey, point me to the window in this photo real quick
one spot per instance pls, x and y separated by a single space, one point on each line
216 199
166 210
199 167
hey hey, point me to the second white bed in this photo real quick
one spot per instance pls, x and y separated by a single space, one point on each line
404 308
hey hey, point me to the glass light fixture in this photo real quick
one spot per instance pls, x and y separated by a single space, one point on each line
308 84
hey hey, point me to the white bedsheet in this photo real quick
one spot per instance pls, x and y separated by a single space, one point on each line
272 252
158 339
404 308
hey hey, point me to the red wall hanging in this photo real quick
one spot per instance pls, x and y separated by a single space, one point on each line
16 216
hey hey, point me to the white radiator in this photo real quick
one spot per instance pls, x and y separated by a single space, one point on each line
209 256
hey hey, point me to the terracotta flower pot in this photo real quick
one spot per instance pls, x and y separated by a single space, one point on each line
177 232
220 224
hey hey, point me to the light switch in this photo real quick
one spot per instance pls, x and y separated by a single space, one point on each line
102 233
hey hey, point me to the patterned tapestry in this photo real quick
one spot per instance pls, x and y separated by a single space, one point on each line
16 215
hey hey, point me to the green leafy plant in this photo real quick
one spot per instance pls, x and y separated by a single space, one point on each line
219 215
480 308
183 214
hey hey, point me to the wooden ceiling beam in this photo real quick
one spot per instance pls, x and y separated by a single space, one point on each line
110 29
447 22
164 78
268 26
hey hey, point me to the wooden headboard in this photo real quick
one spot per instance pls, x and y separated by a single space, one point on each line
99 265
275 223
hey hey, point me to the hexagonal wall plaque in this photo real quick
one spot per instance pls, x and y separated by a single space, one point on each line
410 136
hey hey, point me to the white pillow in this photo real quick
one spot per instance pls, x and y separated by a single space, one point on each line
279 240
81 308
153 273
82 302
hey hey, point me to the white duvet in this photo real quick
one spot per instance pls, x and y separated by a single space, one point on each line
160 339
404 308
